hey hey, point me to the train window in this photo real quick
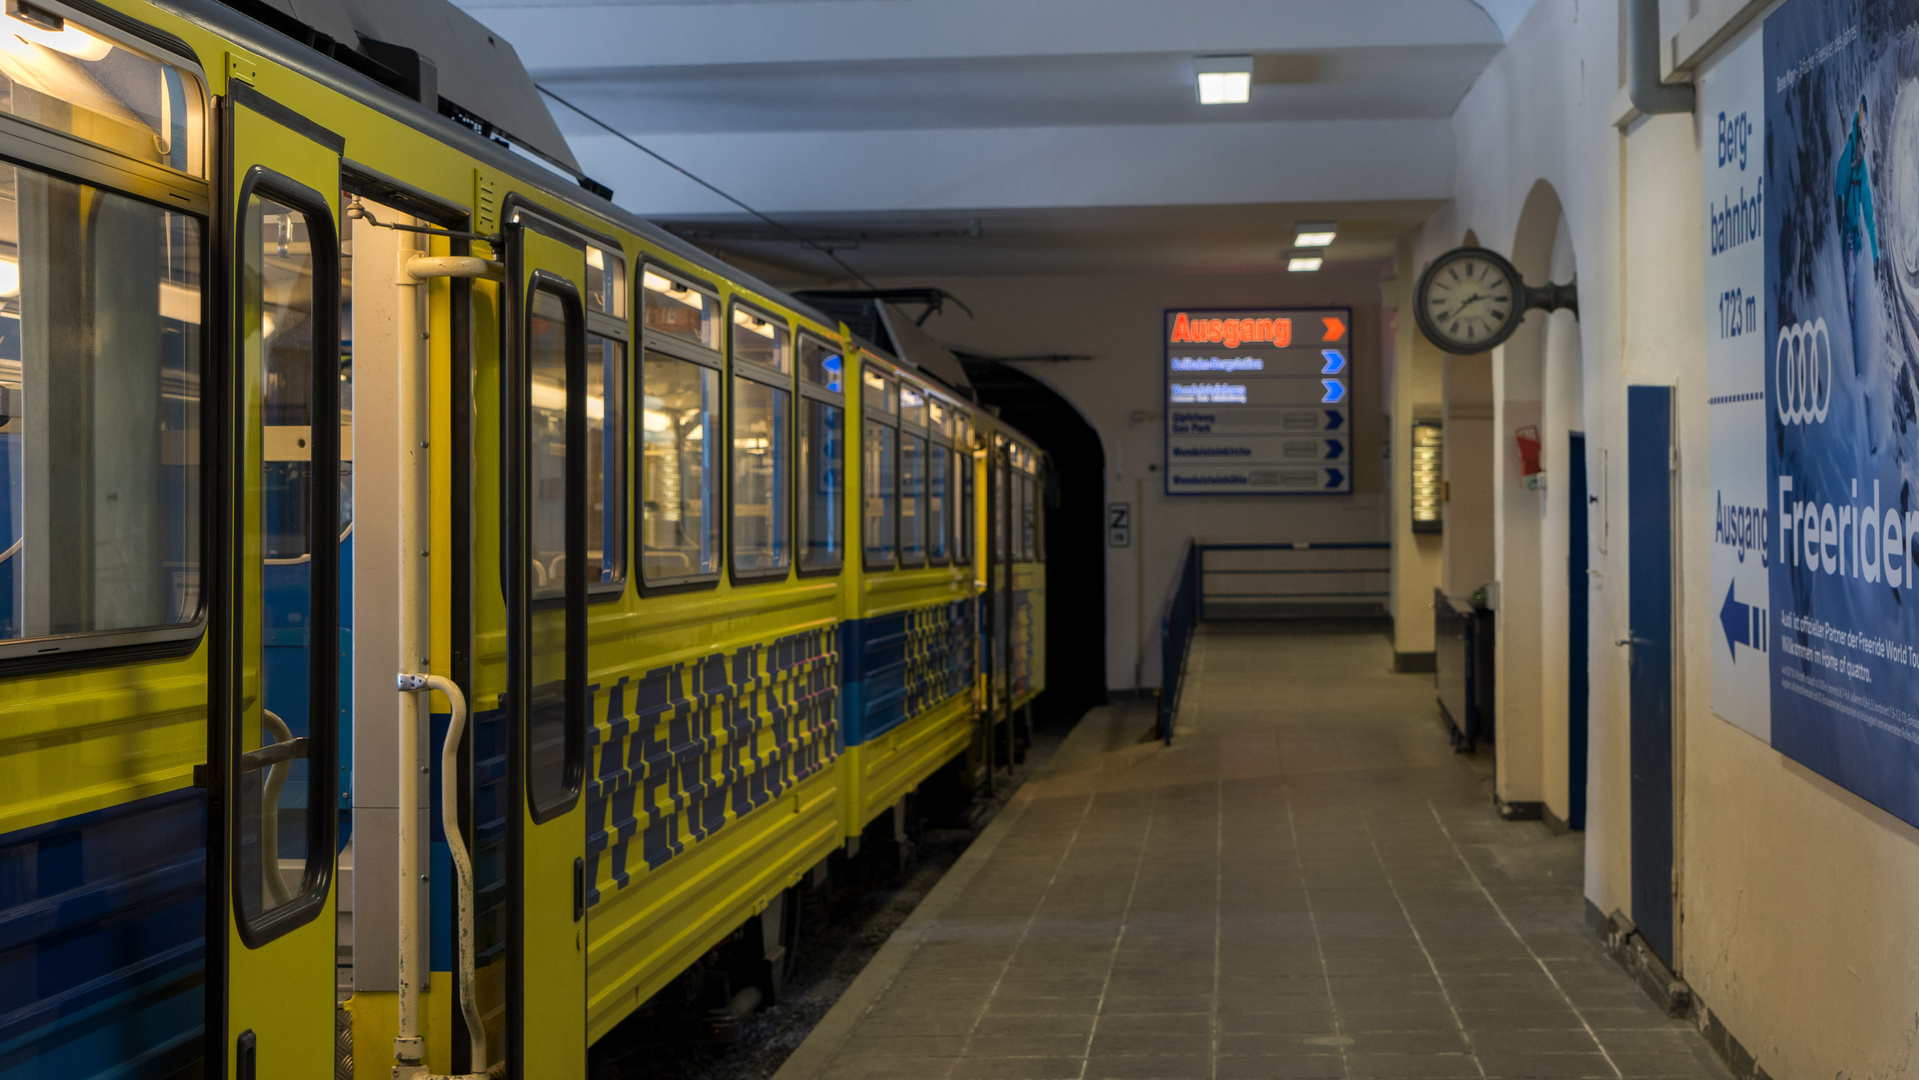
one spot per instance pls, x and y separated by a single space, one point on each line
822 494
605 281
912 405
546 430
1027 521
283 849
912 499
61 75
939 473
553 746
605 463
759 477
1002 504
966 519
878 449
679 430
100 384
757 339
676 309
821 364
877 390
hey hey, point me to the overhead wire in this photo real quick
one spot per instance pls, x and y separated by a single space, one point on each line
676 167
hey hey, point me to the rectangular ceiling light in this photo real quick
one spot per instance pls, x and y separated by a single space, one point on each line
1224 80
1303 262
1314 234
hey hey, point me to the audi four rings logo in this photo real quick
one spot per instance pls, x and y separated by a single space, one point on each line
1802 373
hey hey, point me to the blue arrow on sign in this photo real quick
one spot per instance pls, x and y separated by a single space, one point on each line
1334 478
1335 361
1335 391
1334 448
1334 420
1737 619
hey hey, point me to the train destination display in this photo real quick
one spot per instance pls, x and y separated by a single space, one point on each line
1259 401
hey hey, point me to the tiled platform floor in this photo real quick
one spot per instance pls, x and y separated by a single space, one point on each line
1309 883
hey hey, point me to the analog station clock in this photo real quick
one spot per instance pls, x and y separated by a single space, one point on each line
1471 299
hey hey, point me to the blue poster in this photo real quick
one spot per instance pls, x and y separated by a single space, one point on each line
1841 228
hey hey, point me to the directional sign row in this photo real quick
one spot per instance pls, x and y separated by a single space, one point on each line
1243 390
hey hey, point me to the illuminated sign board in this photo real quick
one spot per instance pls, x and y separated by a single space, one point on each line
1259 401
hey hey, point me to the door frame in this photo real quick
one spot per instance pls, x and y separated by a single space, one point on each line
518 217
1652 606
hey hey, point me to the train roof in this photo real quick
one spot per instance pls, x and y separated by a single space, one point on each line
375 74
278 38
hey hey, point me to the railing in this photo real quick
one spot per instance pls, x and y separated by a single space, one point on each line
1177 618
1279 581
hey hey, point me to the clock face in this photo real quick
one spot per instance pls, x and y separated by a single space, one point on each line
1470 300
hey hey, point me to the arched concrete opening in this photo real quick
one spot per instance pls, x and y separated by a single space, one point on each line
1540 538
1075 536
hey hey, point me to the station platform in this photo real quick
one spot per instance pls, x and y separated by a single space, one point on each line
1308 883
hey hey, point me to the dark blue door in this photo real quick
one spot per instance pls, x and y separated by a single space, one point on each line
1577 640
1649 592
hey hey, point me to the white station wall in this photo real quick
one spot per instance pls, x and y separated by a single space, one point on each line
1798 925
1117 320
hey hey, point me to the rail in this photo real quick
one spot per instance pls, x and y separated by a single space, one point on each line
1302 580
1178 616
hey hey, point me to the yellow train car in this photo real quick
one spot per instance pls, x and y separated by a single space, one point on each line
430 625
911 633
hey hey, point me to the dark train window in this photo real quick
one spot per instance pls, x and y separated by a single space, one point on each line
100 468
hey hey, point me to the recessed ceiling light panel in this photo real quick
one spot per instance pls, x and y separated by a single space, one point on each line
1224 80
1301 263
1314 234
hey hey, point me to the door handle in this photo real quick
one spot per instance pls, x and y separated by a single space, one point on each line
1632 641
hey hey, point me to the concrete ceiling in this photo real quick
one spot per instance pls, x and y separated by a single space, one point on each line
1068 129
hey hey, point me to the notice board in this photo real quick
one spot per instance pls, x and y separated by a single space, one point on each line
1258 401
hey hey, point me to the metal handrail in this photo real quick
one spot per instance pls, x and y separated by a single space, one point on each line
1178 615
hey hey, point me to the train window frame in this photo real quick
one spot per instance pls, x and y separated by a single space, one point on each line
965 512
639 286
939 441
51 152
827 396
912 398
616 330
780 380
685 350
883 413
612 292
155 46
323 722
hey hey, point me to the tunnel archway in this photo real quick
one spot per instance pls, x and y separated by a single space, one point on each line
1075 536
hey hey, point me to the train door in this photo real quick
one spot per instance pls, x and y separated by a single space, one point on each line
276 631
549 701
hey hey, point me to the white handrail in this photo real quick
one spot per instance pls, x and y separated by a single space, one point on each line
276 779
13 550
456 845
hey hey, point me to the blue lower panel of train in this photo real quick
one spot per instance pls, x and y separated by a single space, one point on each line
900 665
102 942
